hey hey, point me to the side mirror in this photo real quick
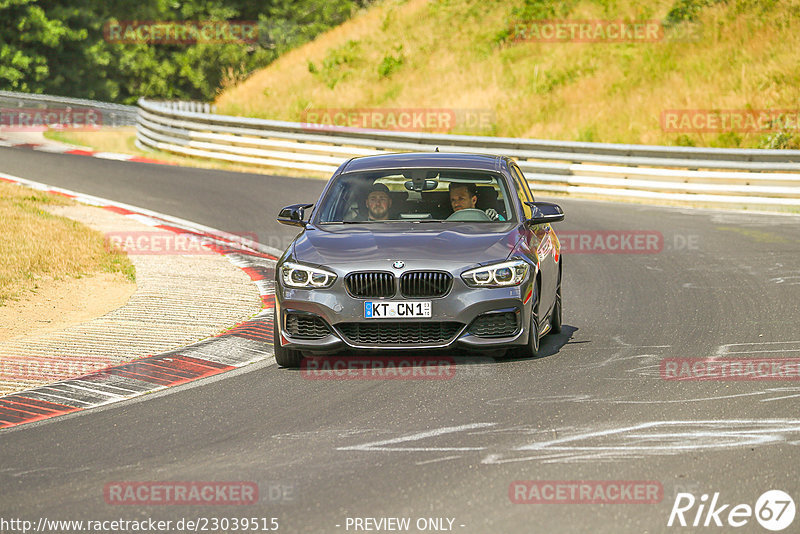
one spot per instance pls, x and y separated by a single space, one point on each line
545 213
293 215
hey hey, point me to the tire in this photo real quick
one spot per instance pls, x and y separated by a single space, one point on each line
555 317
285 357
531 350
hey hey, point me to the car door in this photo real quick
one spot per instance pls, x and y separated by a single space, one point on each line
542 239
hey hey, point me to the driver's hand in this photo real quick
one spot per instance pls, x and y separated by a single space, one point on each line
492 214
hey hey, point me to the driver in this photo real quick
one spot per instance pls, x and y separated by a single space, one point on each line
464 195
378 203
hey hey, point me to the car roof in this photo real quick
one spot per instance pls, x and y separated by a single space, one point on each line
444 160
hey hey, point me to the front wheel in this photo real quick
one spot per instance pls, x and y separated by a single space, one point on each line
531 350
555 319
285 357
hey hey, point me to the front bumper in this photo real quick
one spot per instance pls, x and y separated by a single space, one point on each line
452 318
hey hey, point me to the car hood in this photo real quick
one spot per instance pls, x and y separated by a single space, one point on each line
362 244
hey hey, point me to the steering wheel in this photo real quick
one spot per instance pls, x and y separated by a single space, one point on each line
469 214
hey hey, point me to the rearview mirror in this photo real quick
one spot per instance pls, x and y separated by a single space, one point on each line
293 215
421 185
545 213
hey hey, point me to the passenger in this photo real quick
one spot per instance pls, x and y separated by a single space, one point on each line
464 195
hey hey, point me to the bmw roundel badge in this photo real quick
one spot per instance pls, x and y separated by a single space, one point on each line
398 265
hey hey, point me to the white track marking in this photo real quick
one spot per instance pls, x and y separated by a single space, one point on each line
382 445
144 219
787 392
49 394
633 441
112 155
781 398
656 438
112 396
438 460
722 350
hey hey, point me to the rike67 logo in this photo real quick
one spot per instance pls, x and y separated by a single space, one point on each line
774 510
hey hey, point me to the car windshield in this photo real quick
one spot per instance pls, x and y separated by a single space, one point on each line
425 195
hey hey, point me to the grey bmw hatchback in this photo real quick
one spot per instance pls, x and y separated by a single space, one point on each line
419 251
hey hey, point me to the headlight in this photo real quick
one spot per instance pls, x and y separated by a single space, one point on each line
508 273
303 276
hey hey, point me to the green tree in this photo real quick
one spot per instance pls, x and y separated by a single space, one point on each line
28 39
58 46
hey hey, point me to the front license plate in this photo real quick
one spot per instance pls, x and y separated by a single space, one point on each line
384 310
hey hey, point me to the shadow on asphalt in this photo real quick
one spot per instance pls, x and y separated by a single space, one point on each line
550 344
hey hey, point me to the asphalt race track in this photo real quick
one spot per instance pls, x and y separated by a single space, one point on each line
595 408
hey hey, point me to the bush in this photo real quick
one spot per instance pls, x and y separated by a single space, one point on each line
335 65
779 140
390 64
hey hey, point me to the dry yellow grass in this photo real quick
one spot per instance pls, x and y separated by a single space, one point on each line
37 246
117 140
453 56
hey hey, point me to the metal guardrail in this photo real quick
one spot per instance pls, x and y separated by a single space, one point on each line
713 175
112 114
